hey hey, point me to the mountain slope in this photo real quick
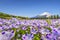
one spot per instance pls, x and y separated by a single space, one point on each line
4 15
45 15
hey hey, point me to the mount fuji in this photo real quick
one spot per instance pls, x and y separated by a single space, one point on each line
47 14
43 15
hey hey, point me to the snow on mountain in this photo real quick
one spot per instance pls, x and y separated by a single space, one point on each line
47 14
43 15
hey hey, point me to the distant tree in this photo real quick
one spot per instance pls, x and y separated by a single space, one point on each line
57 16
53 16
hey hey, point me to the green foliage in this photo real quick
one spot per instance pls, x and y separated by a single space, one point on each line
49 29
22 32
48 21
28 30
3 15
37 36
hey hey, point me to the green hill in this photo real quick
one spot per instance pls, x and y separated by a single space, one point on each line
8 16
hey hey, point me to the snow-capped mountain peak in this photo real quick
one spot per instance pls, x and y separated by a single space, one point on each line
43 15
47 14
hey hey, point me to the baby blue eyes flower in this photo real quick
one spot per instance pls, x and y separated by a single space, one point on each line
1 28
27 37
34 31
1 23
3 33
6 35
6 25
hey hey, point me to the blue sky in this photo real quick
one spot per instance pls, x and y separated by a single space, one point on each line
29 7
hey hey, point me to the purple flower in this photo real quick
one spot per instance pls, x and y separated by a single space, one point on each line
3 33
34 31
27 37
6 35
24 27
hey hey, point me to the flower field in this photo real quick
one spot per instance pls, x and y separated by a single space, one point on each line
36 29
